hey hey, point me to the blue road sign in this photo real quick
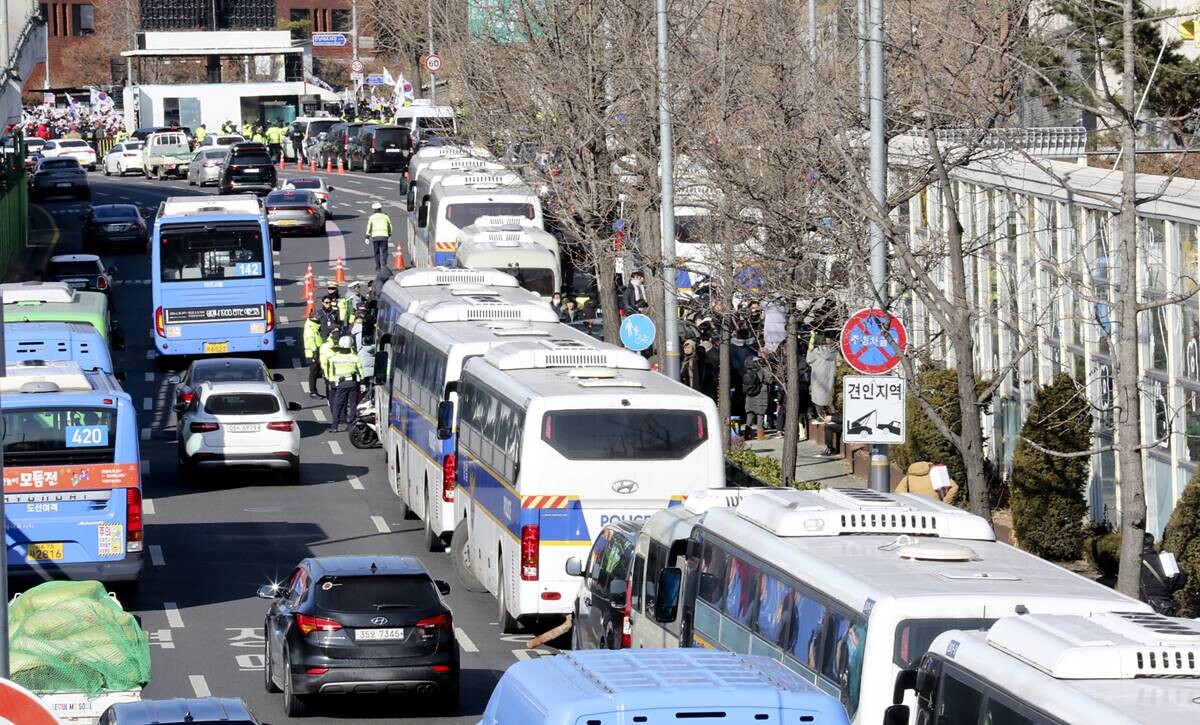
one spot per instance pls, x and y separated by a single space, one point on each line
328 40
637 332
374 80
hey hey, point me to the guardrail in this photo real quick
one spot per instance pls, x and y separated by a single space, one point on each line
1051 141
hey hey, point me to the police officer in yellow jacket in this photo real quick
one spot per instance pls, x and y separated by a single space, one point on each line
275 141
342 372
313 340
379 230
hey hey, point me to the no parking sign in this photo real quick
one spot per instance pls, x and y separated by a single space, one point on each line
873 341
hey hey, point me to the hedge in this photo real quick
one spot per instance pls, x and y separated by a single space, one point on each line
1182 537
763 470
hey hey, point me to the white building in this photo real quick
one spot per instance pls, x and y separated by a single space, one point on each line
268 84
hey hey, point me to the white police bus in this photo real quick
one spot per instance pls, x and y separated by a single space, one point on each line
556 438
848 586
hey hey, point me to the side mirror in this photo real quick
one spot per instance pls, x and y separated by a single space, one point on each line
179 408
381 361
270 591
443 587
173 380
410 198
666 606
445 419
616 592
277 377
120 376
896 715
294 407
905 680
384 339
574 567
331 188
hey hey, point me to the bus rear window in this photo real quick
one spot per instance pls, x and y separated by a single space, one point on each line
913 636
211 251
596 435
51 436
464 215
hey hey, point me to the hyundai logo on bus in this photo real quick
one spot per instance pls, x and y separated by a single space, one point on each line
625 486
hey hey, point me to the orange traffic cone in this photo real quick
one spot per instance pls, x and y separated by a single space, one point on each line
310 283
312 165
341 272
299 164
398 261
329 165
309 308
341 167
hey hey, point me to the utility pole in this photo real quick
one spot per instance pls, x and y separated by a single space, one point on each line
667 207
812 36
353 29
432 76
863 107
879 478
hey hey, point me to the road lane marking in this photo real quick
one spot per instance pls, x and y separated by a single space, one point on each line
464 641
380 525
335 447
319 414
148 506
156 555
149 377
199 685
304 386
173 617
283 320
145 434
355 483
278 288
147 404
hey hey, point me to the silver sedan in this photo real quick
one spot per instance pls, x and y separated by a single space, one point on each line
206 167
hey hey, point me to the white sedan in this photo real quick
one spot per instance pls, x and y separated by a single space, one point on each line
73 147
315 184
238 424
123 158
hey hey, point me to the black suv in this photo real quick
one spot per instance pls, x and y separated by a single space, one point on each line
360 625
379 148
338 142
247 167
602 607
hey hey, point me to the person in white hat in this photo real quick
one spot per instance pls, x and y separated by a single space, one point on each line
379 231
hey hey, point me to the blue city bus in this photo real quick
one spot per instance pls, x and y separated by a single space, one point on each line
57 341
72 484
212 278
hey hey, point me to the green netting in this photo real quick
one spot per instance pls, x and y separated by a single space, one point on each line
73 637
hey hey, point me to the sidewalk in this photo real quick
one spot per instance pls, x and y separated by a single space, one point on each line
810 464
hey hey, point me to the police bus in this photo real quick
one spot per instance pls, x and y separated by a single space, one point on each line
1116 668
423 177
212 279
556 438
455 201
72 484
509 245
848 586
424 348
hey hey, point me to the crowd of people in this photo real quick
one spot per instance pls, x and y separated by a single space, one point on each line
74 121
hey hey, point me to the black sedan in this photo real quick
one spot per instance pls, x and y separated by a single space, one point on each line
360 625
59 176
295 210
109 227
219 370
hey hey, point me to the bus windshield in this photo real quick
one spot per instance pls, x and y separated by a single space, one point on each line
191 252
52 436
648 435
464 215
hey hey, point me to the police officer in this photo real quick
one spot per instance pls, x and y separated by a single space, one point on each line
201 134
342 371
313 340
351 302
324 352
379 230
327 316
275 140
297 137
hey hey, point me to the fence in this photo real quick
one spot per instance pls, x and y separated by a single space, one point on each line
14 206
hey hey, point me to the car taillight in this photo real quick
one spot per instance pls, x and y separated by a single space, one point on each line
207 165
627 627
449 471
283 425
310 212
204 427
188 396
133 519
234 168
129 153
530 539
308 624
270 317
444 621
101 282
159 322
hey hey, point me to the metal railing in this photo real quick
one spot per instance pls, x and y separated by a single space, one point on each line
1049 141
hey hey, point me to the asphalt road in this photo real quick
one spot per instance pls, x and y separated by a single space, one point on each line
213 544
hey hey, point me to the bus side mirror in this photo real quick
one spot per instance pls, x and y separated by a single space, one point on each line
276 241
896 715
666 606
423 216
905 680
410 198
445 419
120 376
384 339
574 567
381 361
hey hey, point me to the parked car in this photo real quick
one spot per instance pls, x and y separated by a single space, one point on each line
601 618
79 271
315 184
59 176
33 144
295 210
220 141
360 625
242 424
382 148
337 142
178 711
247 167
166 153
218 370
123 158
73 147
108 227
205 167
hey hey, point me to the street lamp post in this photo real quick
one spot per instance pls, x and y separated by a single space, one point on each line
879 478
667 207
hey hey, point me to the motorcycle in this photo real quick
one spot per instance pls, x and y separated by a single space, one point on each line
364 433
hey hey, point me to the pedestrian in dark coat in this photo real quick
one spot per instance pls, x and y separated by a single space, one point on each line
756 382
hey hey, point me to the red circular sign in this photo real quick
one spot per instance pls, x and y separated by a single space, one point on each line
433 63
19 705
873 341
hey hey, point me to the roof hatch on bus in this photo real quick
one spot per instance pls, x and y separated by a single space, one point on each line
36 376
183 205
1101 646
480 181
484 308
836 512
32 293
515 328
563 353
446 276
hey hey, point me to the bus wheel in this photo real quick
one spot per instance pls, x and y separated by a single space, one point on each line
508 623
458 557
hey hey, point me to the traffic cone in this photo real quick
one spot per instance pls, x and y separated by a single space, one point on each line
282 163
299 164
309 308
398 261
329 165
341 167
312 165
310 283
341 272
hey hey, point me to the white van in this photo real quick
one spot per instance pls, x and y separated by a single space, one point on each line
425 120
455 201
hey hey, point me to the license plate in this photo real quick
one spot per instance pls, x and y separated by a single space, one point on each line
393 151
211 348
381 633
286 222
63 184
251 171
116 227
44 552
76 283
242 428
